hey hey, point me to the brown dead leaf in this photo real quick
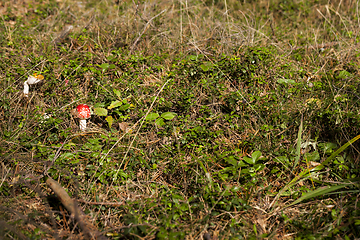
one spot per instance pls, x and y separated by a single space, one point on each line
123 126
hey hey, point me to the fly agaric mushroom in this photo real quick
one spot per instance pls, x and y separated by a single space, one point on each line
33 79
82 112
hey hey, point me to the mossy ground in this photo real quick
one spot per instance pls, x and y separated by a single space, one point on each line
207 117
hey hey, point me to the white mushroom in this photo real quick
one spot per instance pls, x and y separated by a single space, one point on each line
33 79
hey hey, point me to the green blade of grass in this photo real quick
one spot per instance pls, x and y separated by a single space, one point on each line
325 190
318 192
337 152
305 173
298 146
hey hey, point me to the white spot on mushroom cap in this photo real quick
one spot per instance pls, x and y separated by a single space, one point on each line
83 111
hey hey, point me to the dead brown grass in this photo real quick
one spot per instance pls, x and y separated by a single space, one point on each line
324 34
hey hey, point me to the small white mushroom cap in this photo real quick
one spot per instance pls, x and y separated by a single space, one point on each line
33 79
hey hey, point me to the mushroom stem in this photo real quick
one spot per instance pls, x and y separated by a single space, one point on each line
82 124
26 89
30 81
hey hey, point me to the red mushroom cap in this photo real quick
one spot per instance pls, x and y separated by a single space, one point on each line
83 111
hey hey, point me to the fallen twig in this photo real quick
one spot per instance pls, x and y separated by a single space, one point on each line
89 229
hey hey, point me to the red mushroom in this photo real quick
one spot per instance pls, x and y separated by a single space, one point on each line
82 112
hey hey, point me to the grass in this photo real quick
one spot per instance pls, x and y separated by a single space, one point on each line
211 119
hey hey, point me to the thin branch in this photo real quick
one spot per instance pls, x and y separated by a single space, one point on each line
144 30
72 207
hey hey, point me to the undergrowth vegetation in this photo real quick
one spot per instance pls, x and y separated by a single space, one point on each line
210 119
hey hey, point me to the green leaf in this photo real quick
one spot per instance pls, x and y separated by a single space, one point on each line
67 155
100 111
318 192
313 156
193 57
249 160
152 116
98 105
242 164
305 173
110 120
168 115
105 66
160 122
256 155
115 104
117 92
329 146
206 66
231 160
344 74
285 81
124 107
75 160
259 167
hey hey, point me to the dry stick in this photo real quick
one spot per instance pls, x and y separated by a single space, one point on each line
89 229
144 30
337 13
227 17
4 174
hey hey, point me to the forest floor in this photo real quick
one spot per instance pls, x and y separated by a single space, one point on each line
210 119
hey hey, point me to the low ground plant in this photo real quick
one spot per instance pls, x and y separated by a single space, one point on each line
210 119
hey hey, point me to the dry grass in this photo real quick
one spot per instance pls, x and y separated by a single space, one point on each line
309 43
